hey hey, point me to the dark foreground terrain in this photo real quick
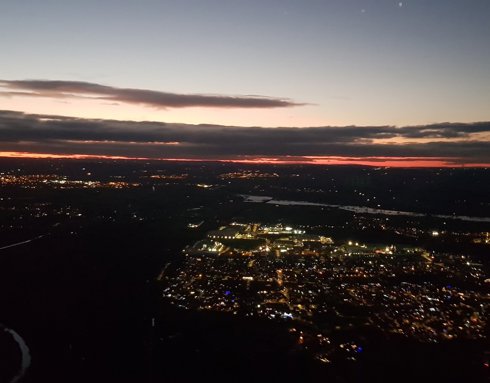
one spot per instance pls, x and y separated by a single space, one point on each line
83 292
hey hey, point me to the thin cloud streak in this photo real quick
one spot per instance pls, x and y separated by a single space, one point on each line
151 98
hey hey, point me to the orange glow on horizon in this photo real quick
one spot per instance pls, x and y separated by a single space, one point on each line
392 162
66 156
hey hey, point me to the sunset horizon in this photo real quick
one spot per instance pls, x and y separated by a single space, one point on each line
249 80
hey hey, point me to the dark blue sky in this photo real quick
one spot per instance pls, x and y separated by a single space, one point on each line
355 62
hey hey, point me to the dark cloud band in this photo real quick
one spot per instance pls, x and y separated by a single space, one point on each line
53 134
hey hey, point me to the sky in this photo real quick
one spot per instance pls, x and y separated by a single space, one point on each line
375 81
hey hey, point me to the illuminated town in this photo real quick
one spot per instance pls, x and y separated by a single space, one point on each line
34 181
322 288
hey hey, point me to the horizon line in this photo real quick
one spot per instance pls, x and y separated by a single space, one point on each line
384 162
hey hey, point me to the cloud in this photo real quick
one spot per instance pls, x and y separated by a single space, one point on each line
156 99
64 135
